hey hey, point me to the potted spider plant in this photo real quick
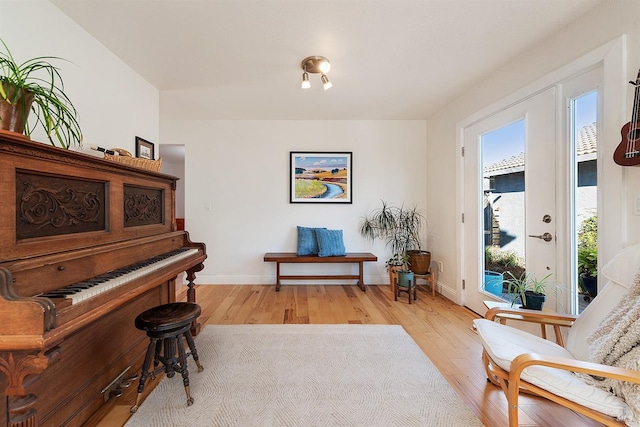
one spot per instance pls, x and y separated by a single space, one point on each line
400 228
35 86
528 288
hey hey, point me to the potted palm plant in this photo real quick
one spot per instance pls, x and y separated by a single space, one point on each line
35 86
400 228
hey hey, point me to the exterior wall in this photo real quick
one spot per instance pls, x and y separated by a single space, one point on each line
614 20
508 203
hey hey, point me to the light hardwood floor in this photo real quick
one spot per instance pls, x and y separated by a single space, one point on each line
442 329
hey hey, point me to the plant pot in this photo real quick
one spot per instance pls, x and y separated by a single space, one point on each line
393 274
13 116
419 261
493 282
590 285
534 301
406 279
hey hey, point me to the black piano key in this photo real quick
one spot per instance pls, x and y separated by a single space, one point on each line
53 296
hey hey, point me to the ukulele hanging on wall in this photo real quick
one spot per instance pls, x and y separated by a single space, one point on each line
628 151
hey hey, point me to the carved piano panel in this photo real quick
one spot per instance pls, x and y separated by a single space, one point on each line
54 200
87 244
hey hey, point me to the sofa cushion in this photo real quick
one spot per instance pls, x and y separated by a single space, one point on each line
504 343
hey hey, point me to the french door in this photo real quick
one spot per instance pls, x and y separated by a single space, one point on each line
510 197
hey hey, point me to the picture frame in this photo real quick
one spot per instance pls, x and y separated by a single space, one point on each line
145 149
321 177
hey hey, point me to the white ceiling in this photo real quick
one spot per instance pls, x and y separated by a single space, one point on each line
390 59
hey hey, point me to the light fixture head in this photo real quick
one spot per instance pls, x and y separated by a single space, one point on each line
306 84
326 84
316 65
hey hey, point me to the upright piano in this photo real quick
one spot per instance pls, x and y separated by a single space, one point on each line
86 244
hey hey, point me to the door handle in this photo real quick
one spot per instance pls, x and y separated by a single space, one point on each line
547 237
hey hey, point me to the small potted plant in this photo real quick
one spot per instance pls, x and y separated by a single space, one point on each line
36 86
530 290
588 272
396 264
588 257
406 278
400 228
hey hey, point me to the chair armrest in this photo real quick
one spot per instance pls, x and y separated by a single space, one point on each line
530 359
535 316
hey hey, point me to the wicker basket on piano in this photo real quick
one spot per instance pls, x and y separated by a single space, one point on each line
152 165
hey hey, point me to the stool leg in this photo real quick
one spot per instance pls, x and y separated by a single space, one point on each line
415 292
170 361
192 348
182 355
409 290
396 291
157 358
145 373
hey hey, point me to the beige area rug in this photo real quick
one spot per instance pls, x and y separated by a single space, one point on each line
307 375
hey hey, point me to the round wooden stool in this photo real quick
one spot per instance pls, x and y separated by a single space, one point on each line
165 325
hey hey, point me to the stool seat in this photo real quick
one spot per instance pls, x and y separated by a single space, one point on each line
166 325
168 317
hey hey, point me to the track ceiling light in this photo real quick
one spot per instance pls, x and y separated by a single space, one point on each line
315 65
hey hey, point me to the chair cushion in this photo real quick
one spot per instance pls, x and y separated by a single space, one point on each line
330 242
608 298
623 267
504 343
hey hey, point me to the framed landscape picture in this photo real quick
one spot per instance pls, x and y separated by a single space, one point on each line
144 149
320 177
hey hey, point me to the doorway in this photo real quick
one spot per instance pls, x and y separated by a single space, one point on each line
530 195
173 163
509 197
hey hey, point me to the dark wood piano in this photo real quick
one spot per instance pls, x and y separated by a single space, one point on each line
86 245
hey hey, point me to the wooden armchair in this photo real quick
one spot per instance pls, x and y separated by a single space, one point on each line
519 361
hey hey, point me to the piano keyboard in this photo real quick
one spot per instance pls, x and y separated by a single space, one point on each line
79 292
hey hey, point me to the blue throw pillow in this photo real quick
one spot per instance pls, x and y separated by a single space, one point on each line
307 241
330 242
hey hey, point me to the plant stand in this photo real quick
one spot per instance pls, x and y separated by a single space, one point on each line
410 285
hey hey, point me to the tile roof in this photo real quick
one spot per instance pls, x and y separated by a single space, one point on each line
587 144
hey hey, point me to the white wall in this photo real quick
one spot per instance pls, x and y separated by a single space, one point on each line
598 27
114 103
250 210
242 169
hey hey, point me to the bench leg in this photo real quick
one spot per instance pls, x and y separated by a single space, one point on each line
277 276
361 279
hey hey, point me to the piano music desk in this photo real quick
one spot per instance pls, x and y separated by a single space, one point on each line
292 258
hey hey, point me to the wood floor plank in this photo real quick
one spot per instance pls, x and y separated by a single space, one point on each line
441 329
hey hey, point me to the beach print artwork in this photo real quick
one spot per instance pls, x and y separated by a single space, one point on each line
318 177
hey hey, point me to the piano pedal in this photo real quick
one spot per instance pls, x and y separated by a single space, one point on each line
115 387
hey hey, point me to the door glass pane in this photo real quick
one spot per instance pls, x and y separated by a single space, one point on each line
585 143
503 166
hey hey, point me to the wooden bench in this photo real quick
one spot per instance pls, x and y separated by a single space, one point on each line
292 258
